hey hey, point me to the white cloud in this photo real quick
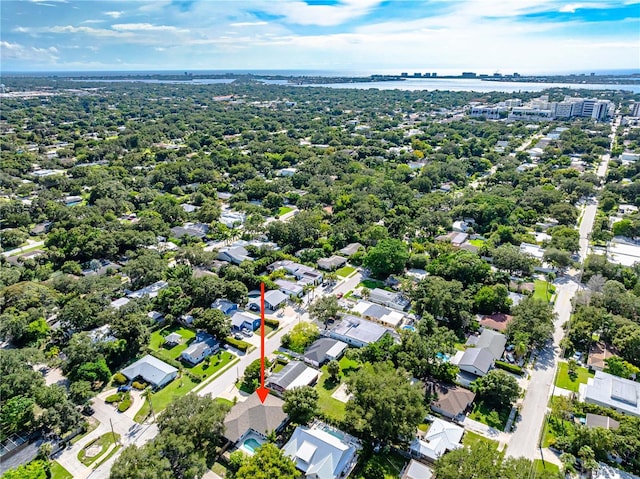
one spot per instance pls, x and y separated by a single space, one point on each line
146 27
16 51
301 13
570 7
248 24
114 14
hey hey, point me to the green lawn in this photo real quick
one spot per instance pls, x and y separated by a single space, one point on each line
484 415
59 472
390 463
564 381
267 330
283 210
540 290
215 363
477 242
224 402
372 283
345 271
157 341
541 468
553 428
103 441
219 469
471 438
326 387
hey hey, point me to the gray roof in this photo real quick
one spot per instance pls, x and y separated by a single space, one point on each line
289 374
376 311
360 330
493 341
239 318
150 369
480 358
275 297
253 414
202 343
417 470
350 249
317 352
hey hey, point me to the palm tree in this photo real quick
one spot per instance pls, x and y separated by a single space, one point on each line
588 458
147 395
550 277
568 462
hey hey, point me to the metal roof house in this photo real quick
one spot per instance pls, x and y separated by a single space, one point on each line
244 320
204 346
274 299
152 370
357 332
324 350
480 359
320 455
441 437
611 391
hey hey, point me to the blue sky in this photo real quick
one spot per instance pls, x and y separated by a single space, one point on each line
447 36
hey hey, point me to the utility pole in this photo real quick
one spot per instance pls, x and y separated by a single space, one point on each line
115 441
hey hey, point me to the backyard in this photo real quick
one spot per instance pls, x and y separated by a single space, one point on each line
390 464
470 438
283 210
330 406
171 352
565 381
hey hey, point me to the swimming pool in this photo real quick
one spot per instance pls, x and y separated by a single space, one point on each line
333 432
251 443
410 328
443 357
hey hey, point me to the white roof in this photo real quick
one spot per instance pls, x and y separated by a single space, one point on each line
150 369
605 471
442 436
417 470
612 391
275 297
318 454
118 303
623 253
532 249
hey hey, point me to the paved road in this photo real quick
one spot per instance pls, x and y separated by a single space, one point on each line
32 244
524 441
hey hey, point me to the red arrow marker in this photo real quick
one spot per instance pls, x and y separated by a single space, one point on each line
262 391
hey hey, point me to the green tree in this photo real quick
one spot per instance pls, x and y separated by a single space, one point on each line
388 256
267 463
534 318
565 238
492 299
301 404
324 308
498 388
619 367
333 368
385 405
558 258
301 336
16 415
446 301
213 321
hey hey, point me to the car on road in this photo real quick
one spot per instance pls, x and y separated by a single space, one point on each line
339 295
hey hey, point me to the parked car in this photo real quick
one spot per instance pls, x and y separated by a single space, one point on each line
254 307
238 336
124 388
247 333
577 355
88 410
339 295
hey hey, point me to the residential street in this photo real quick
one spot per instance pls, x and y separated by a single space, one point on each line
524 441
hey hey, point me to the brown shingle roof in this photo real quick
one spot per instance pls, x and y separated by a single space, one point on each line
253 414
451 399
497 321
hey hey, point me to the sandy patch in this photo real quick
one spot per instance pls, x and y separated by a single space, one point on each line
341 394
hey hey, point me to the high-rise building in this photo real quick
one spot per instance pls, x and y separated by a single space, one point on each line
635 109
587 106
601 110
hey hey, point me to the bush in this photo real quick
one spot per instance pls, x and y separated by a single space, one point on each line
124 404
139 386
274 323
237 343
113 398
512 368
119 378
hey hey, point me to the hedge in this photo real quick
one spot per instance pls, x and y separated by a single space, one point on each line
124 404
119 378
237 343
512 368
113 398
274 323
139 386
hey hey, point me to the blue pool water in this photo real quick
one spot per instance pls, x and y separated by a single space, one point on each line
443 356
410 328
334 433
251 445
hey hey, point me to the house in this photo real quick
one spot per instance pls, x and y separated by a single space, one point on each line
293 375
532 250
416 470
197 230
392 299
358 332
607 390
379 313
289 288
151 370
202 347
497 322
188 208
451 401
605 422
350 249
332 262
173 339
478 360
605 471
151 291
224 305
252 415
460 226
441 437
119 303
41 228
598 354
454 237
231 219
324 350
234 254
287 172
300 271
274 299
320 455
155 316
244 320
